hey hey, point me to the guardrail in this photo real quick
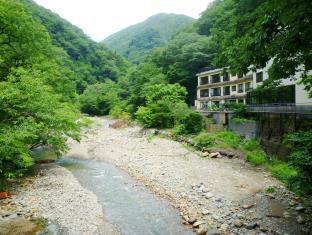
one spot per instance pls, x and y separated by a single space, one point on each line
280 108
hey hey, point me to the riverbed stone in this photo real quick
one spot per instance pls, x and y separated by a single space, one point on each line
300 208
300 219
214 232
202 229
197 223
214 155
251 226
238 223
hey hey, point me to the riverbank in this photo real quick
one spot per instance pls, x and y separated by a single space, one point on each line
52 195
222 195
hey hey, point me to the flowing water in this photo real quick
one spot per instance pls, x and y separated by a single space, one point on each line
129 206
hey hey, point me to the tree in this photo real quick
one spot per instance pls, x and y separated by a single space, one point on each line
31 115
258 31
100 98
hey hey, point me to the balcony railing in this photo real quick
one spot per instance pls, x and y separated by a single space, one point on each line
280 108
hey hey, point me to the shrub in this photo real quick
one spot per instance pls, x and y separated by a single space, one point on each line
99 99
192 122
204 140
225 139
144 116
301 158
256 158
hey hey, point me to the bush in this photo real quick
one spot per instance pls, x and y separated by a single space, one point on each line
224 139
301 158
192 122
144 116
99 99
166 108
256 158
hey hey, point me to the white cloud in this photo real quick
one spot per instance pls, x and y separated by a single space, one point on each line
101 18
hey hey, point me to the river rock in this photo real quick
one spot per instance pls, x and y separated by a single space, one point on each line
300 220
248 206
238 223
300 208
214 155
209 195
213 232
286 215
205 154
251 226
202 230
196 224
205 212
192 219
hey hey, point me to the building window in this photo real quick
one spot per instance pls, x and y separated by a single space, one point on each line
240 88
232 101
215 78
241 101
204 80
226 77
216 91
234 88
259 77
226 90
248 86
204 93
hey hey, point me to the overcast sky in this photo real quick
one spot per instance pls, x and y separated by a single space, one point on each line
101 18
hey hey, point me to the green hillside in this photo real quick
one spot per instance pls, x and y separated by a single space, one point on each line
138 40
92 62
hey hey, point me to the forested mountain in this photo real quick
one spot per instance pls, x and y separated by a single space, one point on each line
138 40
92 61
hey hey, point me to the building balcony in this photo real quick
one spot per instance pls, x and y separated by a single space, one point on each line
234 96
224 83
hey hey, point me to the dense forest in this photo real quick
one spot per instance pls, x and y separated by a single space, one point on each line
136 41
50 71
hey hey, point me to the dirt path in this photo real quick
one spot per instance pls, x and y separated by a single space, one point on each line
227 196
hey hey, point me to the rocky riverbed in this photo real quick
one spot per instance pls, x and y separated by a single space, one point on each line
52 201
214 195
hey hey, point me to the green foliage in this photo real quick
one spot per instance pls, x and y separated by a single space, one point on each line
252 32
91 62
31 115
223 139
37 92
251 145
136 41
256 157
283 171
165 108
182 58
270 189
301 158
100 98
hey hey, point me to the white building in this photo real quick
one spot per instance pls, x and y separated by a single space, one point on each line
218 86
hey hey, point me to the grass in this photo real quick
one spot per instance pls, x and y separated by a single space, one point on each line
256 158
283 171
270 189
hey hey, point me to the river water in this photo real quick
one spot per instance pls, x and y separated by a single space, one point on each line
129 206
